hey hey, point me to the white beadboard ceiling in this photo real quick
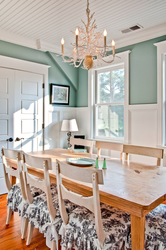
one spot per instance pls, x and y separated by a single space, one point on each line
25 21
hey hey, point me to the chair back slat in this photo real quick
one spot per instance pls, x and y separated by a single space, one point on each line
11 154
14 155
77 198
145 151
41 163
82 142
36 183
108 145
80 174
37 162
12 172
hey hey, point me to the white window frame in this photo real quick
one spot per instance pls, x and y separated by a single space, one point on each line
121 59
161 94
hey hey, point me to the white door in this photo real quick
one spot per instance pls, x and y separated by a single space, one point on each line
6 116
21 112
28 116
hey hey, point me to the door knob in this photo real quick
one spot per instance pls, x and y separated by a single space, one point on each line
9 139
19 139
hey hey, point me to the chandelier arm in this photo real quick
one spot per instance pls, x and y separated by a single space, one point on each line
108 61
78 65
89 45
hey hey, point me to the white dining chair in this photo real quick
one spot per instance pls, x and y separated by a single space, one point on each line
108 145
16 193
92 225
43 211
145 151
82 142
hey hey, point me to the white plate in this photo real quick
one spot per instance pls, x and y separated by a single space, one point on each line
81 161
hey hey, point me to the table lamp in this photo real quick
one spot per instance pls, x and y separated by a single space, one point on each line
70 126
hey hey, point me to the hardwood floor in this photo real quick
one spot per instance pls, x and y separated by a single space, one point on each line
10 236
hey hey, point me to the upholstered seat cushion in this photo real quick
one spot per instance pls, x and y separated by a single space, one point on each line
155 229
39 216
81 233
14 198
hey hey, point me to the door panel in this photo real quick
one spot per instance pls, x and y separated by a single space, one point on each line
21 112
29 111
6 115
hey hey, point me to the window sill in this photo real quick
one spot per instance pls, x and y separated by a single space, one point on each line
108 140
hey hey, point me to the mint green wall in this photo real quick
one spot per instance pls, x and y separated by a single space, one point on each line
143 71
82 90
58 73
143 74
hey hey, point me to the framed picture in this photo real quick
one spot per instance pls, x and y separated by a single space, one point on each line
60 94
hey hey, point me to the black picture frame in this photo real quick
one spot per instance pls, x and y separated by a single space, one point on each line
60 94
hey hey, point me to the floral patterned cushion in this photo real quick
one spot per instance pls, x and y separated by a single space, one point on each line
14 198
155 229
81 234
39 216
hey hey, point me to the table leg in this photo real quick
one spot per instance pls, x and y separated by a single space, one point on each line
137 232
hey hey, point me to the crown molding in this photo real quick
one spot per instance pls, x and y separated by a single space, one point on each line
27 42
161 44
141 36
135 37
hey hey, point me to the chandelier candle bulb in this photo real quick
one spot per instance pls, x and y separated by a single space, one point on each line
62 42
113 47
76 33
90 45
105 35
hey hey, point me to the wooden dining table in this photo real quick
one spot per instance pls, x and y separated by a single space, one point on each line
132 187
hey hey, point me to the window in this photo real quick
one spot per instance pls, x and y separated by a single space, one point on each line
109 89
161 92
109 104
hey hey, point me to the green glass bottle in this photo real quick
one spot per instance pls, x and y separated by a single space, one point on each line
104 164
97 163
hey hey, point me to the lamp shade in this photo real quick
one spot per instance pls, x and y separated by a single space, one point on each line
69 125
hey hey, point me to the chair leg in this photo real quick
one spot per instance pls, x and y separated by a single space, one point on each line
9 214
53 245
24 228
30 232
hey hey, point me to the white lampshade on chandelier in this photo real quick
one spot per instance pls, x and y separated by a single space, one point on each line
88 45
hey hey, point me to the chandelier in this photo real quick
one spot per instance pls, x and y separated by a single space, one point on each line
89 45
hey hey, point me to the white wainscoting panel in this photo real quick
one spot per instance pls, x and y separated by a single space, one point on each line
54 137
54 129
142 120
83 121
143 129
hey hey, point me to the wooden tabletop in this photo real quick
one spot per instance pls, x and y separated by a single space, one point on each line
132 187
141 186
